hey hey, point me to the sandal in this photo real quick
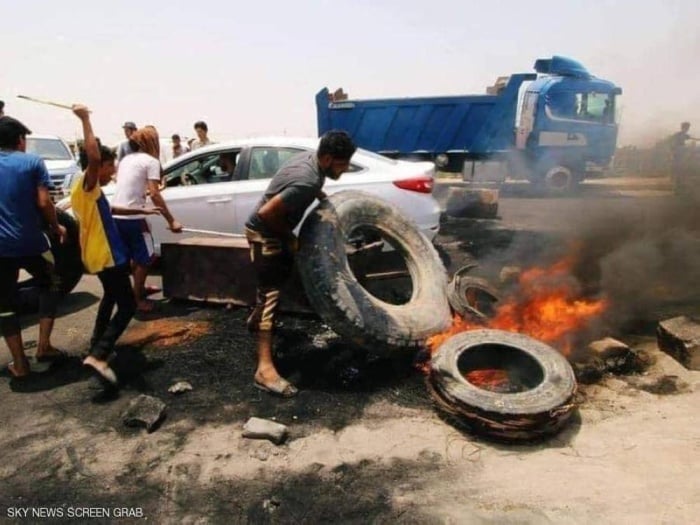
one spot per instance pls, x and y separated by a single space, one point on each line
53 355
105 374
279 387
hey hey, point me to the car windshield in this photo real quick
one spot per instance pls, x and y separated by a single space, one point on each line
48 149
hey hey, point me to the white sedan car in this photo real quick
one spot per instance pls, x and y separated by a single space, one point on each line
217 187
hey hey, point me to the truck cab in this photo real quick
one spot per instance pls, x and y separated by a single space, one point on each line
567 128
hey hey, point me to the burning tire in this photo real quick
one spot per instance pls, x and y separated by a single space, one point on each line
471 296
344 304
69 265
504 385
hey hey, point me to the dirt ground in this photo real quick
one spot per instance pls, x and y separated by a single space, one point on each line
365 444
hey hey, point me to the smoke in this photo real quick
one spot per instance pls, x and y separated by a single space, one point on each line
646 261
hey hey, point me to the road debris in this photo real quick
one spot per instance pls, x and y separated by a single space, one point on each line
258 428
144 411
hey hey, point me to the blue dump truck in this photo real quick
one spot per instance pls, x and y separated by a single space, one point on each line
554 127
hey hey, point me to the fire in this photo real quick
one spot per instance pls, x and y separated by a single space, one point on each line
545 306
490 378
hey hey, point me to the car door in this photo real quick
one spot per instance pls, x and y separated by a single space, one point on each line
259 164
199 194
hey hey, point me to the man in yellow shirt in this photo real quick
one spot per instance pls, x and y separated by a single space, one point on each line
103 251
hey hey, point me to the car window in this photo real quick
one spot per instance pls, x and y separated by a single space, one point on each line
48 149
205 169
264 162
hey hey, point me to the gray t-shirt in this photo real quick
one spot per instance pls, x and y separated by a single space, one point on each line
298 183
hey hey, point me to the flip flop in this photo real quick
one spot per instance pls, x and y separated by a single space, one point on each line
106 375
54 355
281 387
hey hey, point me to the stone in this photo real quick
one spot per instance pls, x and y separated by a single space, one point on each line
679 337
144 411
180 387
509 274
613 353
258 428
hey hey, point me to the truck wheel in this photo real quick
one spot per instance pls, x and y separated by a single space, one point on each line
69 265
560 180
502 384
344 304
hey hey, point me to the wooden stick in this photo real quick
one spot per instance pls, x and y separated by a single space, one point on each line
47 102
212 232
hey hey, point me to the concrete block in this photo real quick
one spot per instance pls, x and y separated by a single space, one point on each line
257 428
679 337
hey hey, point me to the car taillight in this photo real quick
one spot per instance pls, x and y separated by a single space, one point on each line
422 184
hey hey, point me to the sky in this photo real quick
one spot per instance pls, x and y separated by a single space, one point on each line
253 68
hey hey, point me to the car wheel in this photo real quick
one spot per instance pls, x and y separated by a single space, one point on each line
69 265
338 297
535 393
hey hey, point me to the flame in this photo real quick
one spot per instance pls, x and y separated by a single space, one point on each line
545 305
490 378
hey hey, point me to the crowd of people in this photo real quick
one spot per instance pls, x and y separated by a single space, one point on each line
116 243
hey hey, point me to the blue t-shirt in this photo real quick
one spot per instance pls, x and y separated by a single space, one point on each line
21 232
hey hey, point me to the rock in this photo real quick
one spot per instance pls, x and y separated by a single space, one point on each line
614 354
510 274
144 411
679 337
590 371
180 387
257 428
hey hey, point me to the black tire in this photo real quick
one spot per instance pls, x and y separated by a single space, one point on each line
560 181
540 410
69 265
336 295
471 296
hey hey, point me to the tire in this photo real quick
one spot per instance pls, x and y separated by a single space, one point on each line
471 296
560 180
337 296
540 410
69 265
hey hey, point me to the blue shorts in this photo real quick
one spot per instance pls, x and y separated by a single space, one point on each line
136 234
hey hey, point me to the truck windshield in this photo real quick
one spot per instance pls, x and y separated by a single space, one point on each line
595 107
48 149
